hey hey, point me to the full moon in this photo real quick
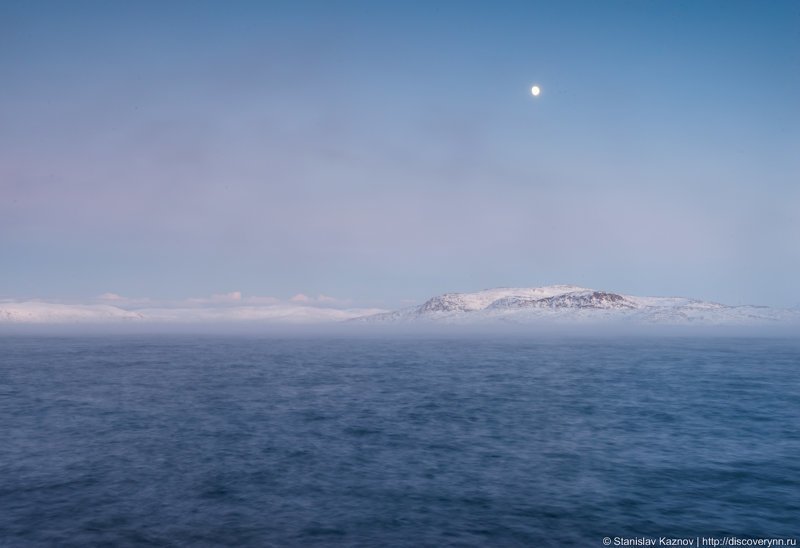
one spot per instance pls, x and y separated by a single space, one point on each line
535 91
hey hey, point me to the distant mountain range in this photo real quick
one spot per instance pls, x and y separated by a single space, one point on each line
567 304
555 304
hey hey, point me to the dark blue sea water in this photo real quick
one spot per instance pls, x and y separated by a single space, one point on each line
204 441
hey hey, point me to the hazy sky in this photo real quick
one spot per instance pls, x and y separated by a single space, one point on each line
388 151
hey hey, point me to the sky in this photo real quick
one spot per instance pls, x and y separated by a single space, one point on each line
383 152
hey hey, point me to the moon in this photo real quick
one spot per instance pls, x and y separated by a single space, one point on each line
535 91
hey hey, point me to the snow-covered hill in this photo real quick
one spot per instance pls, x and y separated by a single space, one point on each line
38 312
564 304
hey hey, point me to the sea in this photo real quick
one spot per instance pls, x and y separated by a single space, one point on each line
204 440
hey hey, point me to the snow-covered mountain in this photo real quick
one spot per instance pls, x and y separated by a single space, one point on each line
565 304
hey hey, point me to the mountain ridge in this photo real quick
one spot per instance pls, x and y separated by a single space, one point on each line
576 304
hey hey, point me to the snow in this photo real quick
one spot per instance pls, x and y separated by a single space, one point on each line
566 304
39 312
557 304
43 312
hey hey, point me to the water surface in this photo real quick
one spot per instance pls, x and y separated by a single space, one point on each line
206 441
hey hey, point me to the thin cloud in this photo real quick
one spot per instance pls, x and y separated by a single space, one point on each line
301 298
226 300
320 300
233 296
121 300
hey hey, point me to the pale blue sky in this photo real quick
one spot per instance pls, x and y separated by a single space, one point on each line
389 151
